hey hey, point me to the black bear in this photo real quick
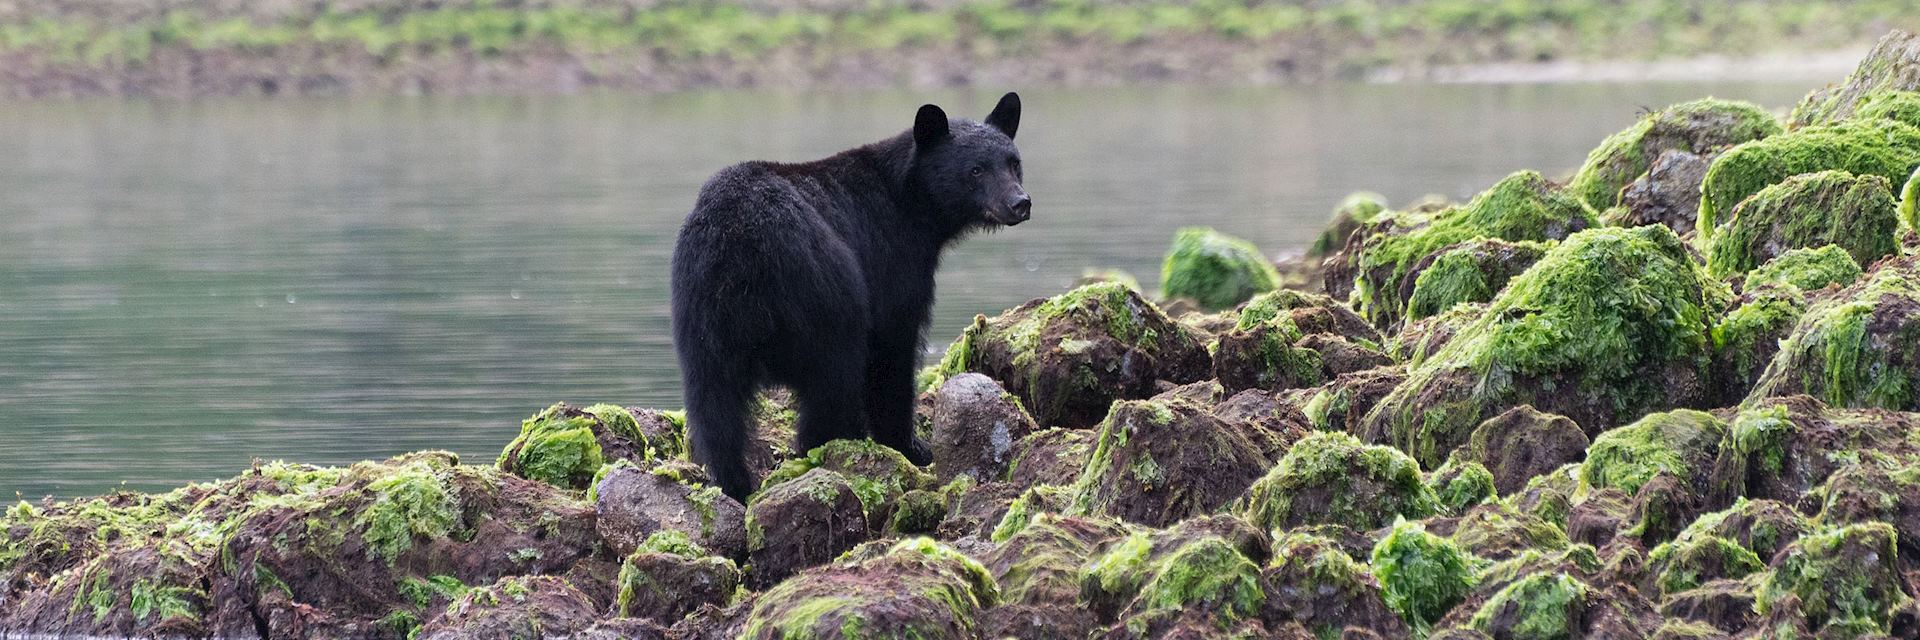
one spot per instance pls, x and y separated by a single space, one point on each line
819 277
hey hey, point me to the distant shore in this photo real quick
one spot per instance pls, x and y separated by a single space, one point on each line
190 48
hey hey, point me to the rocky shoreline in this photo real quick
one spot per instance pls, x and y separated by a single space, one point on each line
1672 397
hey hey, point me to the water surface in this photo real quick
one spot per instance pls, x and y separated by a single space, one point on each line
188 286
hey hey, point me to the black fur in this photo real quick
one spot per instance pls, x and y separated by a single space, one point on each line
819 277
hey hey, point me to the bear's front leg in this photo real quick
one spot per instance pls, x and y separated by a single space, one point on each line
892 357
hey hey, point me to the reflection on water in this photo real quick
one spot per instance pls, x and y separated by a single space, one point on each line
187 286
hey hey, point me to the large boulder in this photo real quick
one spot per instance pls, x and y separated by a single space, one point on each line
1892 65
1610 325
1855 213
1701 127
1845 577
915 588
1052 456
1215 270
1883 148
800 523
1379 262
1070 356
1313 581
631 504
1161 461
1682 443
1332 478
1209 566
1669 194
975 426
1288 339
1524 442
1859 347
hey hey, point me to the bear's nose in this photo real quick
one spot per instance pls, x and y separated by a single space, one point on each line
1022 207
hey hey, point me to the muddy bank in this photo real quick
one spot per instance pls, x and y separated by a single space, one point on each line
208 47
1640 402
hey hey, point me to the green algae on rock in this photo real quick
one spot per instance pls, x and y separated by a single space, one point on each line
1157 462
1354 211
1312 580
1522 206
565 446
1828 208
1524 442
670 576
1806 269
1892 65
1691 561
1471 271
1883 148
1461 485
819 514
1215 270
1423 575
878 474
1859 347
1061 356
1208 565
1701 127
1609 325
1845 575
514 607
1682 443
915 588
1333 478
1542 606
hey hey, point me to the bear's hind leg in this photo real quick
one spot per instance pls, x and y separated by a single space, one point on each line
891 361
831 387
718 398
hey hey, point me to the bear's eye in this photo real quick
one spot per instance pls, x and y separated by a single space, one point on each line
975 171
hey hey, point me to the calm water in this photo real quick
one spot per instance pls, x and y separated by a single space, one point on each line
185 287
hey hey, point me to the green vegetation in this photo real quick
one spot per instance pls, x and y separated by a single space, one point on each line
1883 148
1828 208
1542 606
1844 354
1332 478
1681 443
557 447
1422 575
1806 269
1700 127
1215 270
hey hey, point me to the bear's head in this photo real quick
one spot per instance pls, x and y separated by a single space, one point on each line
970 171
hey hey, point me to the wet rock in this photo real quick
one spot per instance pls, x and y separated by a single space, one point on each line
775 419
1215 270
1312 581
918 512
1287 339
1422 575
1037 500
1892 65
1332 478
1874 493
515 607
1355 210
1070 356
1158 462
1207 566
1311 313
1460 485
1524 442
1782 448
1340 356
1523 206
1549 496
1761 526
1748 337
1662 506
631 504
879 475
1691 561
1262 355
1725 606
1467 272
1558 606
1854 213
1858 347
1037 622
1702 127
1053 456
979 509
1497 531
913 588
1271 423
1883 148
1597 518
818 516
1421 338
975 425
1668 193
1341 404
1556 349
670 576
1041 562
565 446
1844 575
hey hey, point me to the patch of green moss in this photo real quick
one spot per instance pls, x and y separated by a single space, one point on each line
1466 273
1355 210
1422 575
1898 106
1833 356
1365 486
1207 573
671 542
1542 606
1691 561
879 474
1769 314
1839 574
1700 127
411 501
555 449
421 591
1215 270
1681 442
1523 206
1807 269
1883 148
1461 485
1910 201
1025 508
1855 213
918 511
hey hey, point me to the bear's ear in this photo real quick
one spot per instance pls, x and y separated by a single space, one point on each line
1006 115
930 126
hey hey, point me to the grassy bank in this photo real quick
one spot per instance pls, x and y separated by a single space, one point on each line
206 46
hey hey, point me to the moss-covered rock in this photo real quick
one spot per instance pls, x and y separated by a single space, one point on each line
1051 456
1715 609
1341 404
1782 448
1691 561
879 474
1160 461
558 446
1859 347
1524 442
915 588
1749 336
1882 148
1422 575
1070 356
1210 566
1855 213
1668 194
1312 580
1214 269
1682 443
1498 531
632 504
1354 211
1806 269
1610 325
800 523
670 576
1461 485
1892 65
975 425
1041 562
1844 576
514 607
918 512
1332 478
1702 127
1467 272
1870 492
1541 606
1264 355
1523 206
